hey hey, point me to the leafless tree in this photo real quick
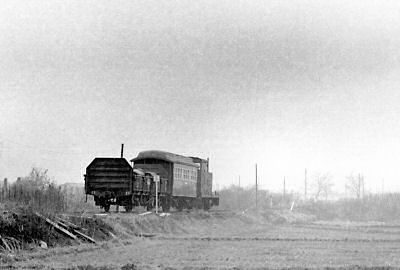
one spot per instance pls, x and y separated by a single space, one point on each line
355 185
323 185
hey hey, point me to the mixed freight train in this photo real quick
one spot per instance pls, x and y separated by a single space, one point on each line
182 182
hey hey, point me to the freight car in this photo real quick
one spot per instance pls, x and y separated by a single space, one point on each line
183 182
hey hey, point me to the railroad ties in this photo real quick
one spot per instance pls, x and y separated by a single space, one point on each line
67 228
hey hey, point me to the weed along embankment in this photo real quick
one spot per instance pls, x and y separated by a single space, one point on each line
197 222
25 229
176 223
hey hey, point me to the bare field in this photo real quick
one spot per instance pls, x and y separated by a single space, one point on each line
222 239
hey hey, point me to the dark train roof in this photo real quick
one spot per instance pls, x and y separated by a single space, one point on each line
162 155
101 161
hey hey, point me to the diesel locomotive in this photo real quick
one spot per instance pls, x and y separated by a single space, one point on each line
181 182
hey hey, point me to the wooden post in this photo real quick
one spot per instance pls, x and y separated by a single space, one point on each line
64 231
256 190
363 187
284 188
239 194
157 180
5 189
305 184
291 207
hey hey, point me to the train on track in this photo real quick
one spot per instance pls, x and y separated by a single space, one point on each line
155 177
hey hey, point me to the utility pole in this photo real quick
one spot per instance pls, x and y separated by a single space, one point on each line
284 188
122 155
363 187
256 190
5 188
239 193
360 187
305 184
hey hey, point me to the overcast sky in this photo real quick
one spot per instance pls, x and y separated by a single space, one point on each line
287 84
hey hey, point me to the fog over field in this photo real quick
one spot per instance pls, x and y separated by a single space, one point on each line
287 84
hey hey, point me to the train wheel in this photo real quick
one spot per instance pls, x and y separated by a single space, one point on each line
198 203
166 204
150 204
206 204
189 204
179 205
128 208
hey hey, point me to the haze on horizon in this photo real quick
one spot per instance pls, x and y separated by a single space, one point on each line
289 85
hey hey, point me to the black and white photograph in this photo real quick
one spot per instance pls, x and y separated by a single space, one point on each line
208 134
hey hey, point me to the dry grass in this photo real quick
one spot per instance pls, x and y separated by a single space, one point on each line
224 240
40 193
382 207
374 207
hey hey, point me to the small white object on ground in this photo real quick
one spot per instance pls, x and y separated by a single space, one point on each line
100 215
145 213
42 244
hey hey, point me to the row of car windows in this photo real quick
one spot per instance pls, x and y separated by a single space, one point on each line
185 174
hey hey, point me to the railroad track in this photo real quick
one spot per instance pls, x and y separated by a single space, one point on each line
140 211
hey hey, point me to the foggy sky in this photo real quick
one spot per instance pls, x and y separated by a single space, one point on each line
287 84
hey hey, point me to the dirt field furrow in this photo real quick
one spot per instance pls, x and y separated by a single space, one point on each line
280 239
